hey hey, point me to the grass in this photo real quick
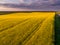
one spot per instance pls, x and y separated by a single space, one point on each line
27 28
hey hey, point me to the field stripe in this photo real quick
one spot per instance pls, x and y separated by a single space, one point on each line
3 29
37 38
13 32
36 28
27 33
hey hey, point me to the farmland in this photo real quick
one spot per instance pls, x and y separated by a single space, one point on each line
27 28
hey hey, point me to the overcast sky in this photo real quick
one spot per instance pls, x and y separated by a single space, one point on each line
9 1
19 1
35 2
25 1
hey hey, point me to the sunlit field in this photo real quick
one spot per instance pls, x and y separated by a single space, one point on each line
34 28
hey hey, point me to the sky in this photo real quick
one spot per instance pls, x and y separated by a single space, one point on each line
20 1
28 1
9 1
35 2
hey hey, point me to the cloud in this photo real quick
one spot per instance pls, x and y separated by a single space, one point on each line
30 1
31 4
9 1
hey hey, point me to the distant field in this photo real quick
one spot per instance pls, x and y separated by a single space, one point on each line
27 28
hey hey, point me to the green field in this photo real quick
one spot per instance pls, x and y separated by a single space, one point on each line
57 29
27 29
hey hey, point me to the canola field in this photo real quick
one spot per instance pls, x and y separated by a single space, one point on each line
34 28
